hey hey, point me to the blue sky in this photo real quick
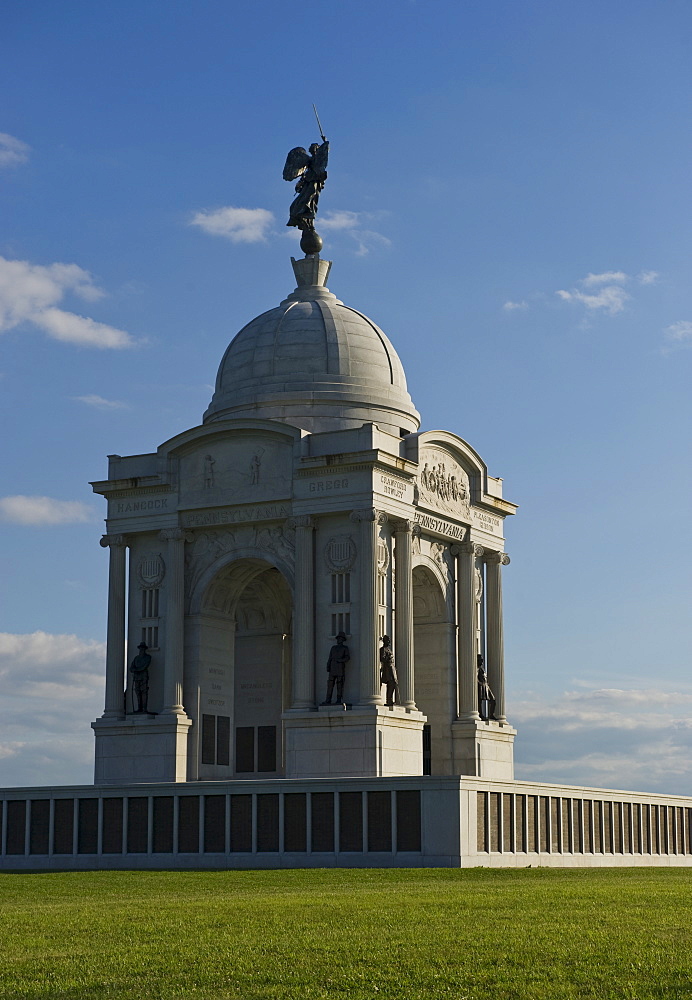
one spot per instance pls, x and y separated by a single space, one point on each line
509 198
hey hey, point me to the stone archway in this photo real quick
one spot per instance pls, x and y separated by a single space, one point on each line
434 666
244 671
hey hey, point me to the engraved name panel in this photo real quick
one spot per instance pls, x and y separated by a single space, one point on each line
235 515
391 486
137 506
440 526
487 522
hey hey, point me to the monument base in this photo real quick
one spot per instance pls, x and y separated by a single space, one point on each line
484 749
141 748
361 742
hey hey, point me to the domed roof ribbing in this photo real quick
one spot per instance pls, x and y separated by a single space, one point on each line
314 363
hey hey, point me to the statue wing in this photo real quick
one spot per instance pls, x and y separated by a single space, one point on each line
296 162
319 164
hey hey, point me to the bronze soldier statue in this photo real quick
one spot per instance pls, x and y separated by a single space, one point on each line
339 656
486 699
139 668
388 671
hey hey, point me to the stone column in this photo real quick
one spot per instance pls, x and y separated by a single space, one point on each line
370 687
466 555
495 642
403 639
304 615
115 649
175 630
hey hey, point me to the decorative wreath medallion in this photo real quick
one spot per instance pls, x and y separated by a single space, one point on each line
340 553
151 569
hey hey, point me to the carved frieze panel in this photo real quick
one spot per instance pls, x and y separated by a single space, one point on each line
240 469
443 484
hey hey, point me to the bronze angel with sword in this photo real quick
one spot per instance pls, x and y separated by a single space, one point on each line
309 167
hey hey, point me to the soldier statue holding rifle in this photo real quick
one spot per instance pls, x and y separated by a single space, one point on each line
139 668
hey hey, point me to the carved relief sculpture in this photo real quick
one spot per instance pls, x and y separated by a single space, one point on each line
382 557
443 484
205 549
255 466
415 543
279 540
438 550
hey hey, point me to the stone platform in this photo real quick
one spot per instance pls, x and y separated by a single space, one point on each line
408 822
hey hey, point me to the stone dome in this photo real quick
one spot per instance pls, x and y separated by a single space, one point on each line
314 363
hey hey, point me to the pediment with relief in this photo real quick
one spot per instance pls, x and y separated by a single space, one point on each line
443 484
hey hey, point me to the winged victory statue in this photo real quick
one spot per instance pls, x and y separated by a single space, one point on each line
309 168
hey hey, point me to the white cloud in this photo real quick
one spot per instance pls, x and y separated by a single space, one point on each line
679 334
339 220
13 151
99 403
44 511
598 291
51 687
611 298
606 737
29 293
10 749
241 225
354 224
80 330
648 277
367 239
605 278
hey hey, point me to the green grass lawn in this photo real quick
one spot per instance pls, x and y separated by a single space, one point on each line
439 933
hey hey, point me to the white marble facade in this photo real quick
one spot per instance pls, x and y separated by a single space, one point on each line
307 503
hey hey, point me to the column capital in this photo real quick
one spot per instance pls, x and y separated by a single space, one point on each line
468 549
301 521
404 527
369 514
501 558
175 535
112 540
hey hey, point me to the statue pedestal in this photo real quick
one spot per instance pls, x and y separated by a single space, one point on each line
361 742
483 749
141 748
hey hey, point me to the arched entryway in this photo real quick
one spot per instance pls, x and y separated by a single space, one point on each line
434 666
244 671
